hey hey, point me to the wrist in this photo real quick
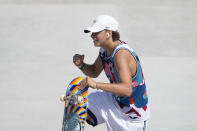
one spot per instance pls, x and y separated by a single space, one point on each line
81 66
97 86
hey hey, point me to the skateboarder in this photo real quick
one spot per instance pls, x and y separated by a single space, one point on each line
123 103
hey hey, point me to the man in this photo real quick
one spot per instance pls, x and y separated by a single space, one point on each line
123 104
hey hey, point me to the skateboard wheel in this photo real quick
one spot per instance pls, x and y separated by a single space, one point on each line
80 99
62 98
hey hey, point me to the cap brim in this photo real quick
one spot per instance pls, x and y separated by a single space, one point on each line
93 29
87 31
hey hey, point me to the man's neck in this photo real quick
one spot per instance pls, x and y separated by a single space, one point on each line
110 46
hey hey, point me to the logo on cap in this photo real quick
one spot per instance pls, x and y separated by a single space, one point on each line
94 21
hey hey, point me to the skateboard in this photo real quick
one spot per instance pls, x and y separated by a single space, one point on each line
75 109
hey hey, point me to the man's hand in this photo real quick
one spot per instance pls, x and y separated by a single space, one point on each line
87 82
78 60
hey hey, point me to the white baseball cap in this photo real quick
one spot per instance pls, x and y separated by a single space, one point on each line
103 22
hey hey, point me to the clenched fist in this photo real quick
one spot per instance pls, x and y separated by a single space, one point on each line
78 60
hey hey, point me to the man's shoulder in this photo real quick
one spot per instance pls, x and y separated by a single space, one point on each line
124 46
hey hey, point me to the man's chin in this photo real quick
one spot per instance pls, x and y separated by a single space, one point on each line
96 44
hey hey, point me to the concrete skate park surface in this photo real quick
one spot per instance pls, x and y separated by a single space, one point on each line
38 40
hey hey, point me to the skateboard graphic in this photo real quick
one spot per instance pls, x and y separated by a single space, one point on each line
75 110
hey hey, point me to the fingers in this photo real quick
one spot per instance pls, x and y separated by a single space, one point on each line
83 84
87 82
79 56
78 59
82 56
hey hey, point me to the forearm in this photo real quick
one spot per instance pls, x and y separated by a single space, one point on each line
89 70
119 89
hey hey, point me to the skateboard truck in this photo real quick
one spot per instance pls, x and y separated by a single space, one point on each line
74 99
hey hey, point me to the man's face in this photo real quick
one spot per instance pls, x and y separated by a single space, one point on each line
99 38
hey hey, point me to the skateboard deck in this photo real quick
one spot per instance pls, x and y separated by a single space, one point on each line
75 109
